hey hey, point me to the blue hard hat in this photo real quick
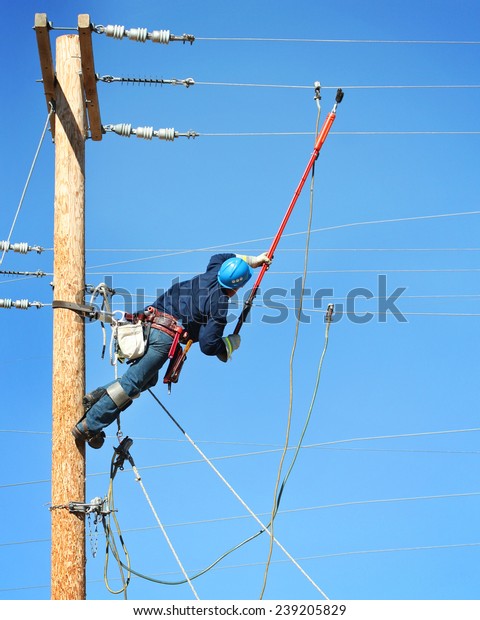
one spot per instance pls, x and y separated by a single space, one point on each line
234 273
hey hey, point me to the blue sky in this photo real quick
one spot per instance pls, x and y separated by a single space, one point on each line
383 501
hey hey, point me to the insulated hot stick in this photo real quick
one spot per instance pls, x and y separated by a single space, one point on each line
322 136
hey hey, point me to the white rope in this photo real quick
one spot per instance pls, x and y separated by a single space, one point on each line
160 525
27 183
247 508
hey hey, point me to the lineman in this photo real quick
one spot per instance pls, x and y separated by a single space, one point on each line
197 307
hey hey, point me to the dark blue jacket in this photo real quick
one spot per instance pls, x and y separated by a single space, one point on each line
201 306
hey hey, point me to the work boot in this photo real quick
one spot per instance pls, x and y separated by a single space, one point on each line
94 440
92 397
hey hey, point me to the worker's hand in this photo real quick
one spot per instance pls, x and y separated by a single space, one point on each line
261 259
232 343
257 261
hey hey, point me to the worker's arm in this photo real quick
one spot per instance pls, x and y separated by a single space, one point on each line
255 261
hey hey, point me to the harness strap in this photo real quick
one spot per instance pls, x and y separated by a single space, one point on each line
121 399
85 311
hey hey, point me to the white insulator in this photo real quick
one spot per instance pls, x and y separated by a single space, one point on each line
137 34
117 32
166 134
22 304
122 129
144 132
22 248
4 246
160 36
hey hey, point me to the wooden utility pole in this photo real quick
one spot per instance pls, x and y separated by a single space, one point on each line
68 459
70 91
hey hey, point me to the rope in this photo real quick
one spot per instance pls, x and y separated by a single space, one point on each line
292 356
160 525
7 243
252 514
110 542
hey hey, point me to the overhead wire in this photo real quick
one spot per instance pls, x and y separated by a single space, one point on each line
305 447
306 558
294 234
22 197
287 511
351 87
306 40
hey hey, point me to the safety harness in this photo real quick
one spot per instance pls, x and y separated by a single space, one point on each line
153 318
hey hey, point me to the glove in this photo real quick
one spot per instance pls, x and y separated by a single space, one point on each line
232 343
257 261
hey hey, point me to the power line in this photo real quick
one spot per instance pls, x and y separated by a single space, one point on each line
324 444
316 230
337 133
302 40
280 512
300 559
352 87
192 250
291 273
6 244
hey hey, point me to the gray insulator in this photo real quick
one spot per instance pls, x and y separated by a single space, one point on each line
166 134
160 36
137 34
144 132
117 32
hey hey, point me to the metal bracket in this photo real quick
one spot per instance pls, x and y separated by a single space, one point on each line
97 505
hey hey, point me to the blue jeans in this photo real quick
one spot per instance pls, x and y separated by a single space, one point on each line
140 375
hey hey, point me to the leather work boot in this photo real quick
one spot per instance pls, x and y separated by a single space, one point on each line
94 440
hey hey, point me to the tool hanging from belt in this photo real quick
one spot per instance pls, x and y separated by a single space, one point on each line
156 319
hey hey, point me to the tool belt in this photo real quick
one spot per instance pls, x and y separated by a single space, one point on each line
163 322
